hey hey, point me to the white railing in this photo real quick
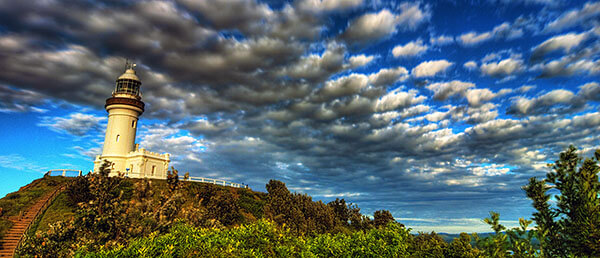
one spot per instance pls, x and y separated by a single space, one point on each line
212 181
183 178
64 171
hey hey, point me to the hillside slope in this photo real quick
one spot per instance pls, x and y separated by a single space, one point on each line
17 202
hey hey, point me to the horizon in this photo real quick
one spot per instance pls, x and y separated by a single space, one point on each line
438 112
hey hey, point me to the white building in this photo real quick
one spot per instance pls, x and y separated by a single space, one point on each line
124 108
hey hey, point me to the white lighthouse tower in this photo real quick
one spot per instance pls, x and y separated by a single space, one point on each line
124 108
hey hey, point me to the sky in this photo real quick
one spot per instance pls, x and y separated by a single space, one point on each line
439 111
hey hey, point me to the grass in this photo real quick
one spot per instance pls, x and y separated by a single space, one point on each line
251 203
15 203
60 210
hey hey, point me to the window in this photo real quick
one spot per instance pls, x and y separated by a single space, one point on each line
153 167
133 123
118 137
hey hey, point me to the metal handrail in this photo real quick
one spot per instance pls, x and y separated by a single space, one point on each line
37 214
212 181
64 171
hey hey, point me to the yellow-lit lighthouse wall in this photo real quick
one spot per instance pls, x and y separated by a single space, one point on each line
121 129
119 141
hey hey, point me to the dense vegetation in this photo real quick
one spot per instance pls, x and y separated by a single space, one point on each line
113 216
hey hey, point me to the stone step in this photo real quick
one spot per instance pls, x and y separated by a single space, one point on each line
9 239
11 234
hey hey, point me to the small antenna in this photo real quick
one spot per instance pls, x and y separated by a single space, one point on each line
129 64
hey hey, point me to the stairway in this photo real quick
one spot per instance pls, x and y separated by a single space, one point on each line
10 241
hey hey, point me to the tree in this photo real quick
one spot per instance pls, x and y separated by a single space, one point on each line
497 244
461 248
341 210
573 226
382 218
173 179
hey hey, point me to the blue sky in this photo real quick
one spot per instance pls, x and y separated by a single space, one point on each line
437 111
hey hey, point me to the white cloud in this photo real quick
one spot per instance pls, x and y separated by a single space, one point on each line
566 42
470 65
328 5
503 31
503 68
525 106
473 38
490 170
431 68
374 26
398 99
575 17
360 60
388 76
568 66
441 40
476 96
411 16
410 49
344 86
77 124
526 88
444 90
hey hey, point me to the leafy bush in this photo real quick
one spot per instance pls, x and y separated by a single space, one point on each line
264 239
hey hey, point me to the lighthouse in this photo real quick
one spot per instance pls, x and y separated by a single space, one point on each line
124 109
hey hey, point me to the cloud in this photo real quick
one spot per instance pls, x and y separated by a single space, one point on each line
505 31
566 42
316 67
209 128
398 99
410 49
568 66
360 60
183 148
556 101
574 17
473 38
476 96
444 90
528 2
77 124
374 26
388 76
431 68
470 65
244 14
328 5
17 100
344 86
503 68
441 40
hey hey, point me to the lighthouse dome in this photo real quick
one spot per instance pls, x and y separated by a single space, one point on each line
128 83
129 74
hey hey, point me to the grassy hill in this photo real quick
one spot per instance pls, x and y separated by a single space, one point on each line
15 203
99 216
